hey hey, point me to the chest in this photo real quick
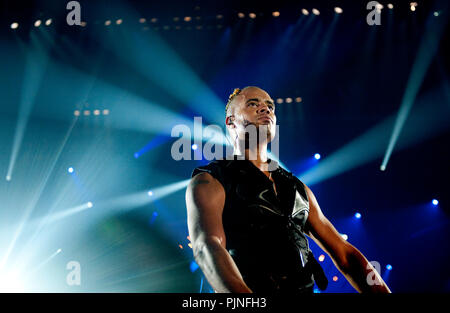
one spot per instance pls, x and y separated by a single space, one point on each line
257 199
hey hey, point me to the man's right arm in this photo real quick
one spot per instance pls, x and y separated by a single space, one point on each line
205 199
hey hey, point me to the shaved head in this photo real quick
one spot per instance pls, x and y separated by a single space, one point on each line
239 95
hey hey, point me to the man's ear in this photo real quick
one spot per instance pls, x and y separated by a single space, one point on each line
229 121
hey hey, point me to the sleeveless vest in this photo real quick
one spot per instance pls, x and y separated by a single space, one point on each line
264 230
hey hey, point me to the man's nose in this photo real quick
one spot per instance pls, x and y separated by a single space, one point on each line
263 108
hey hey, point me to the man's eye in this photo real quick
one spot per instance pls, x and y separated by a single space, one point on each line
252 103
271 107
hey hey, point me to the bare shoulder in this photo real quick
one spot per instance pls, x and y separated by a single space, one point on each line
311 198
204 187
205 200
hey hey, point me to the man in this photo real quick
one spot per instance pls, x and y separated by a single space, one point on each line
247 217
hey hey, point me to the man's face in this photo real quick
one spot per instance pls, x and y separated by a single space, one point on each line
253 106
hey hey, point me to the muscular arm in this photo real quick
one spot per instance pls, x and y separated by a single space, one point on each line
205 199
349 260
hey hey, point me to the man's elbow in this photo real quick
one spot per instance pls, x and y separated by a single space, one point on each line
201 245
344 257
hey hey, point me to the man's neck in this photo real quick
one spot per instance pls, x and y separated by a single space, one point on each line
257 155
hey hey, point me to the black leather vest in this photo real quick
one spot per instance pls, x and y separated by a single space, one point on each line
265 230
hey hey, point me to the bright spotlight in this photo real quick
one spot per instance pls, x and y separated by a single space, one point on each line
413 8
37 23
119 21
338 10
344 236
105 112
142 20
89 204
275 14
317 156
187 19
10 282
358 215
70 170
193 266
194 147
316 12
390 6
288 100
298 99
107 23
321 258
382 168
335 278
280 100
241 15
8 178
58 251
14 25
150 193
436 13
435 202
96 112
305 12
48 22
389 267
252 15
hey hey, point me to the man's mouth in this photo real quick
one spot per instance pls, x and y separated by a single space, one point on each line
265 118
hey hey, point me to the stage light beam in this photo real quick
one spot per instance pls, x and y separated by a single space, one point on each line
427 50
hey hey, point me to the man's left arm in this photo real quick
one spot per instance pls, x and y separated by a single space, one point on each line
349 260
